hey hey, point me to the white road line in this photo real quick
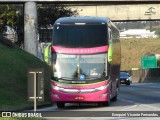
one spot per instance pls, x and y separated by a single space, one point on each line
155 92
148 85
152 107
138 105
127 100
154 86
128 108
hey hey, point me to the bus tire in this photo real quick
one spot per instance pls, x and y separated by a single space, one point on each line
107 103
60 105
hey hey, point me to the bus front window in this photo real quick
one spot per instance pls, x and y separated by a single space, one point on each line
80 67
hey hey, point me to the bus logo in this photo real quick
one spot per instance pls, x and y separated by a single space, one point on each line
79 91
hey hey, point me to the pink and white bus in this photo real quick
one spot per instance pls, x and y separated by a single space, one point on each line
85 61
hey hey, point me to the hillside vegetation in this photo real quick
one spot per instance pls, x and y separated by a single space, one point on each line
14 65
133 49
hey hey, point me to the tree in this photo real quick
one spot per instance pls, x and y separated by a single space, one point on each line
7 17
12 15
49 13
158 32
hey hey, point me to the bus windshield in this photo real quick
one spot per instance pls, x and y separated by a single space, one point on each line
79 67
74 36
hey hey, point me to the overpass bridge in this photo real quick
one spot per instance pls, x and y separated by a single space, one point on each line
121 10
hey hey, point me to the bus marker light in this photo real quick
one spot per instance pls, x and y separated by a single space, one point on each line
56 95
103 95
80 23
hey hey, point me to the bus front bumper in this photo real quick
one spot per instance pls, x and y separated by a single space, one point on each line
99 96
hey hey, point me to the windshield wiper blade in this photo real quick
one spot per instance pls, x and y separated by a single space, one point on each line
94 77
87 78
65 78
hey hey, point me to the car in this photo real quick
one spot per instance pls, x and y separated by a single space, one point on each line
125 78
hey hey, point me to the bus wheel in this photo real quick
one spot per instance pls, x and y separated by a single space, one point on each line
107 103
61 105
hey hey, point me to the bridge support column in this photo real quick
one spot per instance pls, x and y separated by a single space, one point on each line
30 28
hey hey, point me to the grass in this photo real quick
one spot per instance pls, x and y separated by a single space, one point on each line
14 65
133 49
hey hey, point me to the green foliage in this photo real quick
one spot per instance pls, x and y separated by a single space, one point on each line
158 32
49 13
7 17
14 65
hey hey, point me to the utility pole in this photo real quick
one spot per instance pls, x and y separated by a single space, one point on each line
30 28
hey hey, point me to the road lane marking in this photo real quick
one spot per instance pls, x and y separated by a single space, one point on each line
138 105
128 108
155 91
152 107
154 86
126 100
150 85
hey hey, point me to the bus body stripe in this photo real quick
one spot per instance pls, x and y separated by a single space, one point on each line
79 50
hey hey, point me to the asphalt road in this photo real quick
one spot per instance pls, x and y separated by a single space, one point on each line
137 100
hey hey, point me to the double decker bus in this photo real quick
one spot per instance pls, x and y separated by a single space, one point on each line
85 61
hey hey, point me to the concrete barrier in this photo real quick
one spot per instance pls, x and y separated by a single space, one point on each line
146 75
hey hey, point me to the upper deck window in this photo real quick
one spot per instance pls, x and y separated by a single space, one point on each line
80 35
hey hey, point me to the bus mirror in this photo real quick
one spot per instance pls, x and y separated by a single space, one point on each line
110 51
47 54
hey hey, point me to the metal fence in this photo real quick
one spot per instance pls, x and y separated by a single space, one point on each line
45 35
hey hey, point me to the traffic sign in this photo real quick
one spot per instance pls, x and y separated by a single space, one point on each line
148 62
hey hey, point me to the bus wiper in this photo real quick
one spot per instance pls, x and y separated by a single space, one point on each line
98 78
93 78
65 78
87 78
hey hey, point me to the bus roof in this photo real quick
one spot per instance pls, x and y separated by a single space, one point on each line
82 20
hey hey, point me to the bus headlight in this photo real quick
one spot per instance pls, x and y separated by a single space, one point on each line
102 87
55 87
